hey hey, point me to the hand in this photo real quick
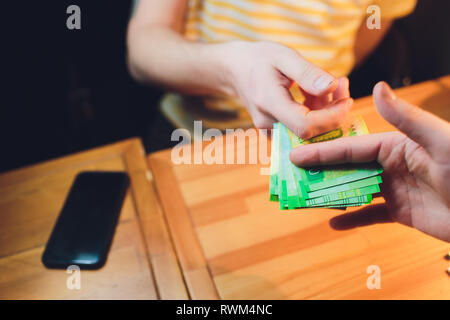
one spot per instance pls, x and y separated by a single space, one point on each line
261 73
416 178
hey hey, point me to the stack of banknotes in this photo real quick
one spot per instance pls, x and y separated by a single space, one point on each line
337 186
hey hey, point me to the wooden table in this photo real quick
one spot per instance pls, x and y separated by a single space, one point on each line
233 243
141 264
210 232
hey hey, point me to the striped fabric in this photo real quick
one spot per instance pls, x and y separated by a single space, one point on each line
323 31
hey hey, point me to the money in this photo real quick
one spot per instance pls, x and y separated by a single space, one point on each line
337 186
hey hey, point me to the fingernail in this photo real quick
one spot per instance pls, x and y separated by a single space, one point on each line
388 93
323 82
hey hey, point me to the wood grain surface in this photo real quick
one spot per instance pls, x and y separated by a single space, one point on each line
141 263
233 243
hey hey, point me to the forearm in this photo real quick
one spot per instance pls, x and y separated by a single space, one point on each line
157 54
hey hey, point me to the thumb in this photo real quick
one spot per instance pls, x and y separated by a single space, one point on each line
429 131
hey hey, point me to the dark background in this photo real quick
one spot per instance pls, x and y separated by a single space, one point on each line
69 90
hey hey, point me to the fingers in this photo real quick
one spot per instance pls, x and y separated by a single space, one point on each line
325 119
304 122
349 149
431 132
308 76
318 102
342 91
263 121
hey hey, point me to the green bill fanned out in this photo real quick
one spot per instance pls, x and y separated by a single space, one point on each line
331 186
346 187
320 178
344 195
324 177
274 164
289 192
348 201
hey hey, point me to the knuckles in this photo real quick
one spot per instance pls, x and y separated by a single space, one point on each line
261 121
303 132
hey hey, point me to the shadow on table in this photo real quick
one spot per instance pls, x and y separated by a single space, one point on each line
439 103
243 287
365 216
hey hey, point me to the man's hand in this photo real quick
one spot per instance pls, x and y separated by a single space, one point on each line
260 73
416 178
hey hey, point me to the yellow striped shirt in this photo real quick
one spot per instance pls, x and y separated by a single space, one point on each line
323 31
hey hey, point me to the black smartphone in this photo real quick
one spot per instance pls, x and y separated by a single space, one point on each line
85 227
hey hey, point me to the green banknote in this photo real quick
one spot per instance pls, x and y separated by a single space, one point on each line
325 177
274 164
346 187
287 185
347 202
344 195
328 186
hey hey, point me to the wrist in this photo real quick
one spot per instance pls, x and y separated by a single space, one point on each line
225 64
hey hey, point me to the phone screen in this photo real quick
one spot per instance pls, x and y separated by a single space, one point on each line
85 227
